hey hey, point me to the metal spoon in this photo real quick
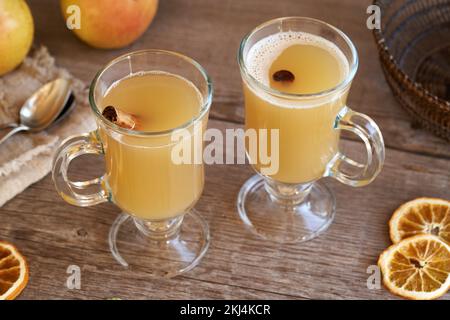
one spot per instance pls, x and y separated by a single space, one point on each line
46 106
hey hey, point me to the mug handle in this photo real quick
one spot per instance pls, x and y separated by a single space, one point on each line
367 130
70 149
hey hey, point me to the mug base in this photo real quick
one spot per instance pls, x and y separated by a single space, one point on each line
161 258
287 222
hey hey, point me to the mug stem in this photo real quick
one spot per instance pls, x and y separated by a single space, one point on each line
160 230
287 194
285 213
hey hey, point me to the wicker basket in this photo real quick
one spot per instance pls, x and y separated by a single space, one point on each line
414 48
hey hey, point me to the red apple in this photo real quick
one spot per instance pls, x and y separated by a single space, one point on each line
16 33
109 24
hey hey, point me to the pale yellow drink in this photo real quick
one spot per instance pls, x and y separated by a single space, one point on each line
141 175
307 138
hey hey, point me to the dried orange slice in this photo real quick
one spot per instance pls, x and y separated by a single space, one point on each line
13 272
419 216
417 267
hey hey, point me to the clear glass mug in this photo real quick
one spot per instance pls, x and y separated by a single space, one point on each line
159 230
292 205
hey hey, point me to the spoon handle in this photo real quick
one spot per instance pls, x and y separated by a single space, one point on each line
11 131
8 125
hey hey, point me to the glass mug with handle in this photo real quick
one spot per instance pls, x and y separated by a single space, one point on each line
296 75
159 230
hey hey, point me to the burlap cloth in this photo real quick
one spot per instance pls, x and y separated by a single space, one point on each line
27 157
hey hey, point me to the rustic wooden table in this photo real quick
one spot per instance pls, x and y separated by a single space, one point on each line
54 235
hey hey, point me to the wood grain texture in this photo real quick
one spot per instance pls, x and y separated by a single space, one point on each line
53 235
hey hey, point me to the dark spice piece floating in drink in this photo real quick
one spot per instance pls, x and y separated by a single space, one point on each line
110 113
120 118
283 76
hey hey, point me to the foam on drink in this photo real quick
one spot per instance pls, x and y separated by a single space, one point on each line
317 63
